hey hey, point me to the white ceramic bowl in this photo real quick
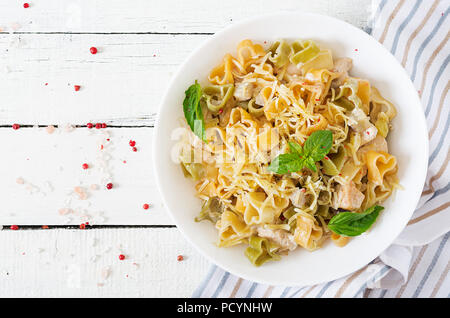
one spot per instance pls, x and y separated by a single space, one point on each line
407 141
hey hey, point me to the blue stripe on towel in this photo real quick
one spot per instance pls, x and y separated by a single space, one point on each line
425 43
431 266
403 25
201 288
221 284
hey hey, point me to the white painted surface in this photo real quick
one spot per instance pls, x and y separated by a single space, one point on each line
51 167
69 263
162 16
121 84
140 43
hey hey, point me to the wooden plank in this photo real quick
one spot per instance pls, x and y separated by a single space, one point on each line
50 167
176 16
122 84
73 263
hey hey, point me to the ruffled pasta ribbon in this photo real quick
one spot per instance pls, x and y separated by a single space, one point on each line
261 250
308 55
280 52
222 74
333 163
382 112
376 193
217 96
262 208
232 230
380 164
248 53
308 232
339 240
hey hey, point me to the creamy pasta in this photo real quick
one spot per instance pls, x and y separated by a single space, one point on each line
287 149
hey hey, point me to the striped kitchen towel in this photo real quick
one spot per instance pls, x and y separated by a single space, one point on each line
417 264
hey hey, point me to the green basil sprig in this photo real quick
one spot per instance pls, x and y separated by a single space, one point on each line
193 110
354 224
314 149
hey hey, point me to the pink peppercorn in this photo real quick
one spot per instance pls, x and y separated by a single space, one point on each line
93 50
109 186
121 257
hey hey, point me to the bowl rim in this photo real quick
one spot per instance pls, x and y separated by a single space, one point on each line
421 173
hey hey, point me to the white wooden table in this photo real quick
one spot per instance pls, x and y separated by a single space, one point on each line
44 52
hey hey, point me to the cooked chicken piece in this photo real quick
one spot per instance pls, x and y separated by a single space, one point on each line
377 144
347 197
341 66
243 91
358 119
298 198
281 237
368 134
362 125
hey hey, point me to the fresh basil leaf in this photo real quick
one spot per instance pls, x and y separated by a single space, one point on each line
286 163
315 149
295 147
193 111
199 129
199 124
354 224
310 164
318 144
191 101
